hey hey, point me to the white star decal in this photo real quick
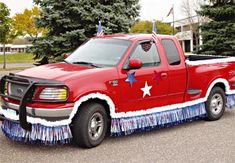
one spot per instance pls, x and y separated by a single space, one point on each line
146 90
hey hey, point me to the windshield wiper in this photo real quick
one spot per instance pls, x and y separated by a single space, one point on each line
87 63
66 61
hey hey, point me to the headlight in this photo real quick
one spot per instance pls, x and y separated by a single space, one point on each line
53 94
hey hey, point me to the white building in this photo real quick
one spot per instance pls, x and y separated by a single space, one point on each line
189 35
11 49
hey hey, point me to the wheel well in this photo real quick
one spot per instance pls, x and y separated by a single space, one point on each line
221 85
102 102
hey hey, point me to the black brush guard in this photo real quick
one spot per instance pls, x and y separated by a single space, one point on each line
27 96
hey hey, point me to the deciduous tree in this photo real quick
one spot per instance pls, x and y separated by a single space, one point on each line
146 27
189 9
25 24
7 34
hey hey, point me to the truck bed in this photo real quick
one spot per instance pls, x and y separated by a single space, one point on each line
199 57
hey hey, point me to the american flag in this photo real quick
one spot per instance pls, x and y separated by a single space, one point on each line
99 31
154 33
171 11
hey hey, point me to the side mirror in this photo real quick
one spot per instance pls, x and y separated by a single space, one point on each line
134 63
66 55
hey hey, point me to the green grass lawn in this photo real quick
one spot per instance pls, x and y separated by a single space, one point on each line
18 58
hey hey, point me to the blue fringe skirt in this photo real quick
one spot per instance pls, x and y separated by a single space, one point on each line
119 126
39 134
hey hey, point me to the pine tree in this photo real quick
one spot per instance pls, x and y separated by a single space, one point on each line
71 22
219 33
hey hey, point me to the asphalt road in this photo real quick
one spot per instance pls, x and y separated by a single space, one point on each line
199 141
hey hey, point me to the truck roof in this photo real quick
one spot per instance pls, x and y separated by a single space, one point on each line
134 37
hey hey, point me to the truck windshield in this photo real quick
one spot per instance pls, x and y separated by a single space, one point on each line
100 52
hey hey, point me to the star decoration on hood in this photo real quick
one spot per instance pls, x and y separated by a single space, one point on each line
131 78
146 90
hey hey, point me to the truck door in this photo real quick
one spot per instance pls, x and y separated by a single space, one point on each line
146 87
177 74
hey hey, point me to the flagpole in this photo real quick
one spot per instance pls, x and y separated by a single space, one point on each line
173 13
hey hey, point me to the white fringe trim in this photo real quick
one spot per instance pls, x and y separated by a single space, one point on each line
113 114
210 61
93 96
73 113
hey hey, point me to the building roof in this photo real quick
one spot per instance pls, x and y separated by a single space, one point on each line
191 20
16 46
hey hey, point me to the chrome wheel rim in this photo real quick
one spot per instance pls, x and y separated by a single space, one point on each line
96 126
216 104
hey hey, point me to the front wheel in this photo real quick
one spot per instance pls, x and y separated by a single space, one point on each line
89 125
215 105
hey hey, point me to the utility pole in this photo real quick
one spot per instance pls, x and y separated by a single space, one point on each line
173 15
4 55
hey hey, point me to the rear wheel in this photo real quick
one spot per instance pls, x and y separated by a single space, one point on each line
215 105
89 125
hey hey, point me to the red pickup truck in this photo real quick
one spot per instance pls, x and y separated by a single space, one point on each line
115 84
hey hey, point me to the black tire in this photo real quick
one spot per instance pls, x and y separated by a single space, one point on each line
215 104
89 126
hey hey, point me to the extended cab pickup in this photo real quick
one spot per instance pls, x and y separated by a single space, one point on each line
115 84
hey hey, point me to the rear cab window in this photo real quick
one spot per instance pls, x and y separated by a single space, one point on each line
171 51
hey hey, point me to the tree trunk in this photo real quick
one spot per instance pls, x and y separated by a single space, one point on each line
4 55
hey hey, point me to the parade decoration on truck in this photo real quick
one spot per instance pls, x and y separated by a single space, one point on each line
100 30
122 83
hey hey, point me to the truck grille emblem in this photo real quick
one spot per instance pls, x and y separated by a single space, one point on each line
20 91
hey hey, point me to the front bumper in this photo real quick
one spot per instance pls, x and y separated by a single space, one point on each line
55 114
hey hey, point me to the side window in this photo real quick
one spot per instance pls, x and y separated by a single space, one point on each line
171 51
147 53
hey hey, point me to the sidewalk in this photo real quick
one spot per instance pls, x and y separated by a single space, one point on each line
14 65
17 65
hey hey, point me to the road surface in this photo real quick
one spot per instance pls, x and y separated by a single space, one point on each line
199 141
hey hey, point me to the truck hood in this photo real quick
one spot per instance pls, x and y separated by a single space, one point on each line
59 71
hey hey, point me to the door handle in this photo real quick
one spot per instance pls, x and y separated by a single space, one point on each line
163 75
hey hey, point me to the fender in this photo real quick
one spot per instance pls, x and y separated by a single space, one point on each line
228 91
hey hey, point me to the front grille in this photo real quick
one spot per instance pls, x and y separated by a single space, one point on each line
13 87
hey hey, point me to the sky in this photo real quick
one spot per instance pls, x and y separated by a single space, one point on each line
150 9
